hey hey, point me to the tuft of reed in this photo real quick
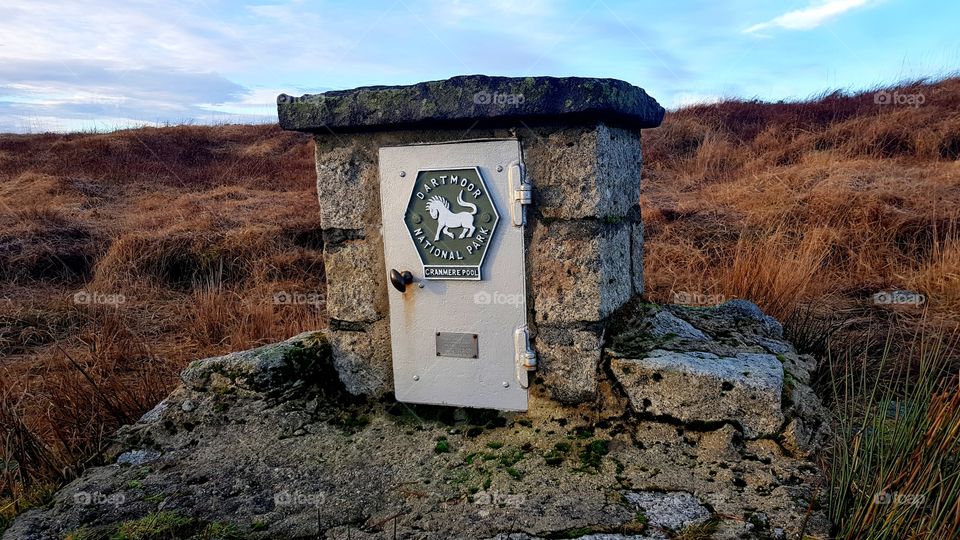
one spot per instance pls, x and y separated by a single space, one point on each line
894 470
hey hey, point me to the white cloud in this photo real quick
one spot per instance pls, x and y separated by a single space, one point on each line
104 63
809 17
127 35
689 99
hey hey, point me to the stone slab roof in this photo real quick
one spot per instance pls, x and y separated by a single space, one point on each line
469 101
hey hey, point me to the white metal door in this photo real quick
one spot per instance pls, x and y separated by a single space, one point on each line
452 218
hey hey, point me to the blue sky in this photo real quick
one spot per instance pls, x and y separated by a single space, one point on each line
103 65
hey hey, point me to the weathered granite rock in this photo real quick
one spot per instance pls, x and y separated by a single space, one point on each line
155 413
348 187
701 387
748 310
136 458
278 369
663 325
356 281
798 366
580 271
690 351
319 462
363 358
569 359
809 426
671 510
469 99
636 256
586 173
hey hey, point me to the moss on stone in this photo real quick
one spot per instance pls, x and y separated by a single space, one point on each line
156 526
511 457
591 455
452 101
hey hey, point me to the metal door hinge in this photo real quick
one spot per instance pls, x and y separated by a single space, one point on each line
521 193
526 357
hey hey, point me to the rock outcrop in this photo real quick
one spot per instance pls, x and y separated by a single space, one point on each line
272 443
706 388
708 367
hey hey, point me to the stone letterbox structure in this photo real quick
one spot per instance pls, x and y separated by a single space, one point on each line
475 230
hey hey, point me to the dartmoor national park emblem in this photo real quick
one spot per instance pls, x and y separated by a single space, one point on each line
451 218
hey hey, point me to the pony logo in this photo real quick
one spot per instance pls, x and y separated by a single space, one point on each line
439 209
451 219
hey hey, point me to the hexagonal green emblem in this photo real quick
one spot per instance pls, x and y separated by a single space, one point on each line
451 219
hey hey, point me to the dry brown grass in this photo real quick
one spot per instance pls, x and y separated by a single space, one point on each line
190 231
823 202
806 208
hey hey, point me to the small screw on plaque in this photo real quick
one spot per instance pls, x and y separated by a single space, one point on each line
416 377
506 384
420 285
499 168
403 173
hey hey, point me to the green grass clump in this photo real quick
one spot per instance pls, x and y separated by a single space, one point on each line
511 457
583 432
36 495
354 422
155 526
82 533
556 456
895 464
592 454
442 447
636 526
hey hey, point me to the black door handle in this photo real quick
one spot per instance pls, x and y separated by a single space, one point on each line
401 280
